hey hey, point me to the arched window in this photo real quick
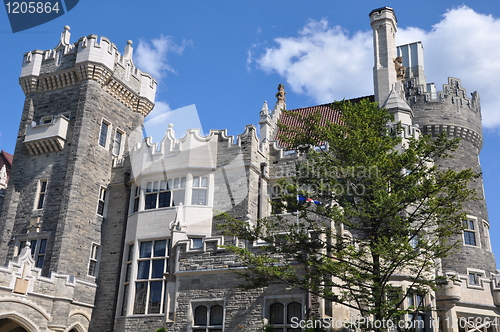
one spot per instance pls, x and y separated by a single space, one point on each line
208 318
283 315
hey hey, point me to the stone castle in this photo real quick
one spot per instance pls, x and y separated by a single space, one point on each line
104 231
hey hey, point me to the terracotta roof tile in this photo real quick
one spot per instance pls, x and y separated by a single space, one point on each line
327 112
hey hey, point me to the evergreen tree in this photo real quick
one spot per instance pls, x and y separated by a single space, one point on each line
385 211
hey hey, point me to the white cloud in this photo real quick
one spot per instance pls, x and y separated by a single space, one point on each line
323 62
151 56
328 63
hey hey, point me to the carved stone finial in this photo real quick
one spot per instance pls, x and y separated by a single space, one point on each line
281 93
400 69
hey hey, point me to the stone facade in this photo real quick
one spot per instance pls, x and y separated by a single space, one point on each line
104 231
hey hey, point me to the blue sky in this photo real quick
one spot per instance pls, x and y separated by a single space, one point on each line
227 57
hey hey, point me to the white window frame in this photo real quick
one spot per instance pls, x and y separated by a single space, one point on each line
199 184
102 201
486 226
95 253
108 133
156 188
41 194
474 231
475 278
118 151
150 278
46 120
136 200
128 280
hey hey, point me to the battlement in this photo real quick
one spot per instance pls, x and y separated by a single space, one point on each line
190 151
89 59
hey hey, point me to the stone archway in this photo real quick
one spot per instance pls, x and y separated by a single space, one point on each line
9 325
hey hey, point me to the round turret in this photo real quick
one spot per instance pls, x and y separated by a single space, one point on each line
453 112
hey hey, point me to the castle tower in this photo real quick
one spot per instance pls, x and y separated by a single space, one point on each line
457 114
68 191
384 24
471 266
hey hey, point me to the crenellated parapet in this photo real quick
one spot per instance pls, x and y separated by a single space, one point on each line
450 110
89 59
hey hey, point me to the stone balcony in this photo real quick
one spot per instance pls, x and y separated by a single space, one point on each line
46 138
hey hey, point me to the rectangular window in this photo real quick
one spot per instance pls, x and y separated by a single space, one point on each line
94 250
152 264
199 193
126 285
197 242
103 134
164 193
470 232
117 143
102 201
475 278
38 249
137 195
42 190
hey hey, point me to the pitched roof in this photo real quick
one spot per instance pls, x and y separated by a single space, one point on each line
327 114
6 157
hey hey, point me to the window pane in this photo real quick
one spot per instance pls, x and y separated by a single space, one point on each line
204 182
103 134
117 143
158 268
92 265
178 197
164 199
197 242
150 201
196 181
124 301
156 186
33 247
41 199
160 247
276 313
100 208
163 185
136 204
143 270
154 306
183 182
471 224
141 291
200 316
216 315
199 197
176 183
169 184
469 238
39 261
294 309
128 272
149 187
145 250
43 246
130 255
43 186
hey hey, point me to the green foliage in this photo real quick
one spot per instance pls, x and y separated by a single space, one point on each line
387 210
267 328
161 330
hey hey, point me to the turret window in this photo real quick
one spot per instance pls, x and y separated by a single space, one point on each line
470 232
41 192
103 134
